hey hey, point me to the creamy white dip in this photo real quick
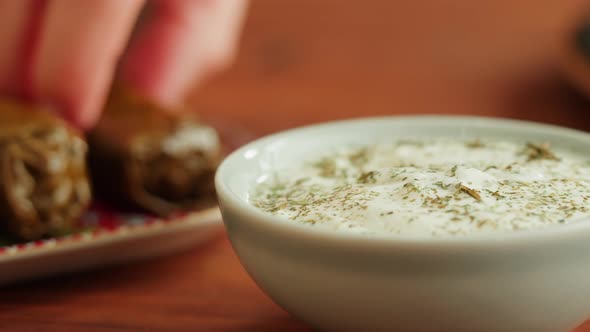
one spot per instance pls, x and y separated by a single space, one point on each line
432 188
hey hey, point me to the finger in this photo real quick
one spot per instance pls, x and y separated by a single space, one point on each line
78 49
223 32
181 44
17 33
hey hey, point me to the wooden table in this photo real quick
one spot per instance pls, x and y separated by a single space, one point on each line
308 61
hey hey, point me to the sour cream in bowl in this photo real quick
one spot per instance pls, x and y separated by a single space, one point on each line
416 223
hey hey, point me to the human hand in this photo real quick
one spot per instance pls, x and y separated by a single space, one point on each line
65 52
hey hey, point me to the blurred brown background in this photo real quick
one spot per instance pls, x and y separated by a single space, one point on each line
315 60
303 61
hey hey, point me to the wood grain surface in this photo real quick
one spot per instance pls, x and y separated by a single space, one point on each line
304 61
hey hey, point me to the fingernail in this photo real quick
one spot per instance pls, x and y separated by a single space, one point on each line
583 39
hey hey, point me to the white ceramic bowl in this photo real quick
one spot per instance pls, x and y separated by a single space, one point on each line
532 281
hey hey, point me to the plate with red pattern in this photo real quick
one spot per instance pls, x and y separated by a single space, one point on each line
105 237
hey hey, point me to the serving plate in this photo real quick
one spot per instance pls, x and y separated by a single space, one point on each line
103 237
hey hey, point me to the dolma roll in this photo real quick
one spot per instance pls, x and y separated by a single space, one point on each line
145 157
44 186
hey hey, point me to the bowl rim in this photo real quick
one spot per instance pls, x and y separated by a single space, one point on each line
305 233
